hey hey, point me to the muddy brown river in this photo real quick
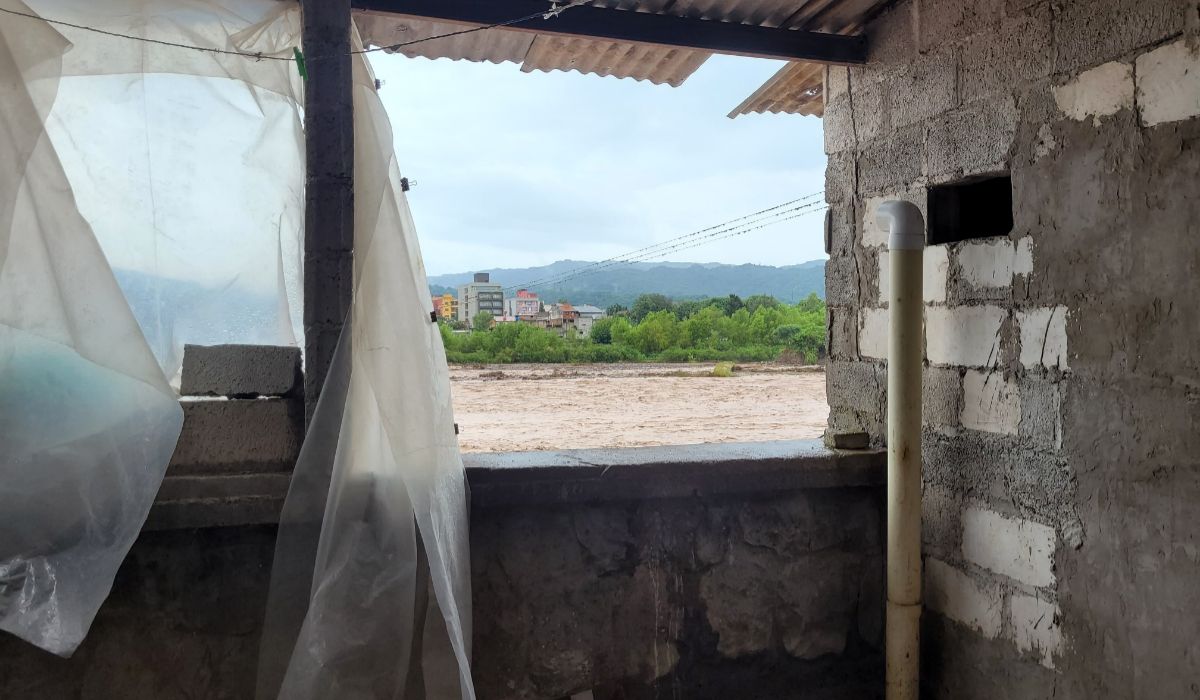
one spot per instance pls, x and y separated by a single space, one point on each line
502 408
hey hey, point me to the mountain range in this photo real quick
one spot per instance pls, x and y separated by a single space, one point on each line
606 284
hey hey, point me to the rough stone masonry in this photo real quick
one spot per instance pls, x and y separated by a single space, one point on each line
1062 377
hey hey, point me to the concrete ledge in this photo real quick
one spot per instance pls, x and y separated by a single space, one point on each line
679 471
218 500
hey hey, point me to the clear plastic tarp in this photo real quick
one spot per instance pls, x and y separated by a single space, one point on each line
87 420
172 178
370 590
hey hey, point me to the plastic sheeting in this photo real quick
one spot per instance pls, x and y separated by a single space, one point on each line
87 420
370 590
187 166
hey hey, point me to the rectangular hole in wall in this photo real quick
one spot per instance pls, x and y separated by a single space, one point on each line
974 208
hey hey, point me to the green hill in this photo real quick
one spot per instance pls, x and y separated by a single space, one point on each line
621 284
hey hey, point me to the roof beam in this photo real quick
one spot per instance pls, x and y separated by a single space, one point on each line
638 28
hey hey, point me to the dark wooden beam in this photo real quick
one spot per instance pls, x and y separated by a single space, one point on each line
329 187
638 28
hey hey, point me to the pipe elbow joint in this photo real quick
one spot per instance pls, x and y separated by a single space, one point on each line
904 223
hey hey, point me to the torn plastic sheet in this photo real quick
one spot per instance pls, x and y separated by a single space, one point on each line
113 152
370 587
87 420
188 165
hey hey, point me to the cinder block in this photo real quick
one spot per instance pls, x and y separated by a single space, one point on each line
987 264
923 88
842 228
1023 260
941 395
891 36
1019 549
839 177
871 116
1088 33
838 124
873 333
1041 412
961 598
837 81
935 273
240 370
967 336
990 403
1037 626
1018 51
944 21
842 332
857 385
1043 336
892 163
255 435
1168 83
841 281
972 140
1099 92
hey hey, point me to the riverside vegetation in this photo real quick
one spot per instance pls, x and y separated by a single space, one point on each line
657 329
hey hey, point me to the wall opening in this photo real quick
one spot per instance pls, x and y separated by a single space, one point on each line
975 208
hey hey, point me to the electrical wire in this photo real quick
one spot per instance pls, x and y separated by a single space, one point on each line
662 249
749 223
553 11
687 235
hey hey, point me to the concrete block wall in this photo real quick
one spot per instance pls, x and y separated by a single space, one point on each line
243 424
1062 376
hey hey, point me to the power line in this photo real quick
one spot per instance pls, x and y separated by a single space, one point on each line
677 238
553 11
680 243
686 245
749 223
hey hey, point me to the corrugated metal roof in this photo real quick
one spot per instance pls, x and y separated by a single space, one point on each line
796 88
799 87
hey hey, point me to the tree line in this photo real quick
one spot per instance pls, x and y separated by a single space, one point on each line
657 329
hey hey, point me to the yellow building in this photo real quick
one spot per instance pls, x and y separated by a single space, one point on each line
446 306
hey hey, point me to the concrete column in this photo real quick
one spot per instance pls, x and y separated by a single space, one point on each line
329 187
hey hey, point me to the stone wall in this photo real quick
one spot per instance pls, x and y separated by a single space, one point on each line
706 571
749 571
1062 376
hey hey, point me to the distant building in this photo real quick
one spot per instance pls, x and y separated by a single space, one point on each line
523 307
446 306
586 315
480 295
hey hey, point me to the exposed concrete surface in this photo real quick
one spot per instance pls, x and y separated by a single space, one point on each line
1062 415
675 471
183 621
738 585
655 598
254 435
240 371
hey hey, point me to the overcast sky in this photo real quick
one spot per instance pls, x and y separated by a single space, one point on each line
520 169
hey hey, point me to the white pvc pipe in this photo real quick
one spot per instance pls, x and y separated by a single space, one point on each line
905 350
